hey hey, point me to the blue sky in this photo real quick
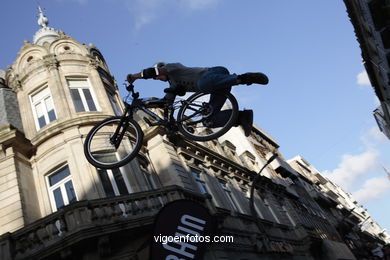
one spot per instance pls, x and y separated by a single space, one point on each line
316 105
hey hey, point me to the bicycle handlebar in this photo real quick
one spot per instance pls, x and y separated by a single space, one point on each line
130 88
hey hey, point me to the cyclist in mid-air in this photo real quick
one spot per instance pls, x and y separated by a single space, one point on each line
211 80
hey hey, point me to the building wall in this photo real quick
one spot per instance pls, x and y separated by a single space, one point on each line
9 108
60 142
289 222
370 19
18 201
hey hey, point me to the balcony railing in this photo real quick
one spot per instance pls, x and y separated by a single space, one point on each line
84 219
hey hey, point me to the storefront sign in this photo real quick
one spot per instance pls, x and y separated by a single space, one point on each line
182 230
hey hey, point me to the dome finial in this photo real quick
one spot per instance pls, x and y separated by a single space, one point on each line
42 20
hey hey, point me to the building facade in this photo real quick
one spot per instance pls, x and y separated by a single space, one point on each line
55 205
371 20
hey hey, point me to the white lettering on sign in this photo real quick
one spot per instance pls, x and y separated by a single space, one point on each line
188 225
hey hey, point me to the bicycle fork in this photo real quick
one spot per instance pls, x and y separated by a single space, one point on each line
117 137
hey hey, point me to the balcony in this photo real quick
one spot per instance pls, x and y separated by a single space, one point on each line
88 219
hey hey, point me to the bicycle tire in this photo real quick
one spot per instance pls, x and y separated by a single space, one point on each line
97 144
215 134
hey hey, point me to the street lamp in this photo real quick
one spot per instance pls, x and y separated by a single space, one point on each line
255 179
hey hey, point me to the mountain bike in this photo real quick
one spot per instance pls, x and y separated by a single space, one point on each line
117 140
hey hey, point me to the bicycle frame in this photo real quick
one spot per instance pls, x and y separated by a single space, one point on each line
168 121
138 104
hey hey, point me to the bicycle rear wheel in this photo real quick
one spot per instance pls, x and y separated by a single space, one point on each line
197 117
100 150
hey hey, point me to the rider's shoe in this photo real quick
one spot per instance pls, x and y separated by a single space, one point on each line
253 77
245 119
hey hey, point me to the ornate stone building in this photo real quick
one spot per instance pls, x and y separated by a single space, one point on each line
371 20
55 205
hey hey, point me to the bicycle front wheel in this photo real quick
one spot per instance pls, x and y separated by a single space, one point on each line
200 119
103 152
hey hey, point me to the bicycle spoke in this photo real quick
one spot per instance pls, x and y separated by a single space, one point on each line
197 120
112 143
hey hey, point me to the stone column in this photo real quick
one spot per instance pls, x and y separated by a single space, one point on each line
57 88
167 163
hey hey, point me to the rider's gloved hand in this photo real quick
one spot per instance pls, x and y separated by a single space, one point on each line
130 78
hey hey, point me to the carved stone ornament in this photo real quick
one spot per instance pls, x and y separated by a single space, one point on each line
94 63
50 62
13 79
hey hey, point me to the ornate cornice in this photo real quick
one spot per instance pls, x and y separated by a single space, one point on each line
13 80
50 61
93 63
56 127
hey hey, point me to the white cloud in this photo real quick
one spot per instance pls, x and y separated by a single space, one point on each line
82 2
372 189
374 137
356 172
362 79
147 11
353 167
199 4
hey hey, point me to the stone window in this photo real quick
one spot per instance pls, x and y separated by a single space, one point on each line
267 204
248 198
147 173
285 210
82 96
228 192
200 183
113 180
61 189
43 108
114 103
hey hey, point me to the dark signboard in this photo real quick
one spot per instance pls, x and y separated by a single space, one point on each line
182 230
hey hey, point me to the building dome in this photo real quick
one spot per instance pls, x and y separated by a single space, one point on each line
46 33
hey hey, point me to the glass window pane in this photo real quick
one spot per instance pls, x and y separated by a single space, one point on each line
49 104
40 116
223 184
115 105
234 206
50 109
38 110
202 187
52 115
120 182
106 183
78 104
78 83
58 176
149 180
88 98
70 192
41 121
58 198
40 95
106 157
195 175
